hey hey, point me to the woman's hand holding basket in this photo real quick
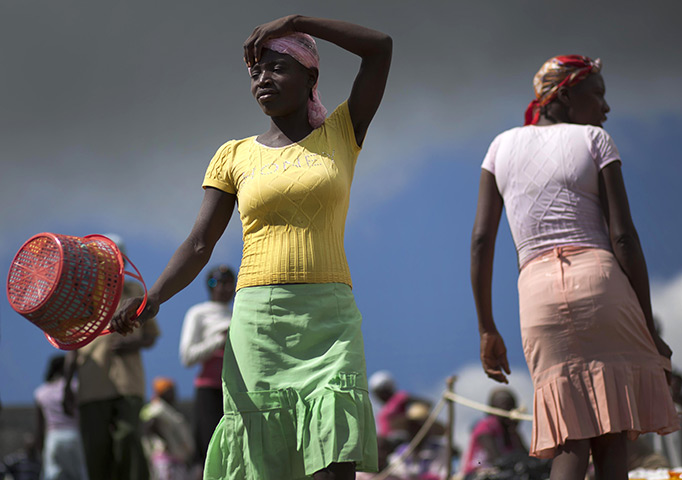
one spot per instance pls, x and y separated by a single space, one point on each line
126 320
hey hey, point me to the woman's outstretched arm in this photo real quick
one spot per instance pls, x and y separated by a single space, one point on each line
187 261
625 243
373 47
488 214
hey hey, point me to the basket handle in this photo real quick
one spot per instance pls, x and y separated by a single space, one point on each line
136 276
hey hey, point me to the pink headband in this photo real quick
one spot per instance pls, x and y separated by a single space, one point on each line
302 48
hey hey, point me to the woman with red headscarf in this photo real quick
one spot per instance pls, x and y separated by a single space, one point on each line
294 377
597 362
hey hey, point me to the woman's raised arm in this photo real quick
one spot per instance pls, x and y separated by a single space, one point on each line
187 261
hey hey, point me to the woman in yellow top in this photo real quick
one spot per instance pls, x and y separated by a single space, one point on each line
294 380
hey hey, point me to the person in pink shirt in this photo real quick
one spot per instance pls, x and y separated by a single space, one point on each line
493 437
391 419
59 435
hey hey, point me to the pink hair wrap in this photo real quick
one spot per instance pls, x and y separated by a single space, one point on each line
302 48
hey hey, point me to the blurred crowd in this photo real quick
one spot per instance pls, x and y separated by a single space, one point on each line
495 450
170 443
414 448
93 421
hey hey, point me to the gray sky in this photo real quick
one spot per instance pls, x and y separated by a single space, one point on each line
111 111
108 106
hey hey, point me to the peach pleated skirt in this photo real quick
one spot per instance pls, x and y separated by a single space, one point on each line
594 365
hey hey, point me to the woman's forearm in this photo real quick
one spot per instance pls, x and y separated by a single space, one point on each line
628 251
623 235
482 253
362 41
183 267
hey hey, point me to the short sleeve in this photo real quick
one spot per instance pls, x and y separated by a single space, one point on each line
603 148
340 122
489 159
219 171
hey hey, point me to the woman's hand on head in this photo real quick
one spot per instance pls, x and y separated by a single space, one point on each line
253 46
494 356
126 320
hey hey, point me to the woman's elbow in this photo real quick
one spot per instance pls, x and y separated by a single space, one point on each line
480 255
386 43
199 248
382 48
480 242
625 240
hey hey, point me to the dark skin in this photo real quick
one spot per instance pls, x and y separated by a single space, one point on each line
281 87
582 104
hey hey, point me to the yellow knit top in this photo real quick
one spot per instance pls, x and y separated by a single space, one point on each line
292 202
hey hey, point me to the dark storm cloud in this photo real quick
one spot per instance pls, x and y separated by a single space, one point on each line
105 106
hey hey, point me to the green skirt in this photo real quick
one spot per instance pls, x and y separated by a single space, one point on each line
294 386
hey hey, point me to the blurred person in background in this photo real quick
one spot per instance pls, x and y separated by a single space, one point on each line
202 341
59 436
24 464
494 436
167 435
430 457
391 417
111 392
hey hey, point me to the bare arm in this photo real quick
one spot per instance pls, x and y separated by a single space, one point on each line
373 47
625 243
187 261
488 214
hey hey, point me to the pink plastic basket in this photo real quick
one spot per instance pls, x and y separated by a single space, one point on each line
69 287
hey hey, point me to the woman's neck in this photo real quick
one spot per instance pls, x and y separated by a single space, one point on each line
552 114
286 130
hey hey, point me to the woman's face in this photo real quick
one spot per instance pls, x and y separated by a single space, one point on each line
280 84
587 103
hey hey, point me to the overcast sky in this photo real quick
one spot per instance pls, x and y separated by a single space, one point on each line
110 112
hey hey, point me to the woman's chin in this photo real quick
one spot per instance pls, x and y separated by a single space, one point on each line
269 110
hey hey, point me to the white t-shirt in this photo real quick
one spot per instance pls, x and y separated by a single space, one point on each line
203 331
548 177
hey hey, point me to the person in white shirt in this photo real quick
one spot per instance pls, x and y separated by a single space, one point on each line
202 342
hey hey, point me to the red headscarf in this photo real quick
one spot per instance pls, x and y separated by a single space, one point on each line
563 70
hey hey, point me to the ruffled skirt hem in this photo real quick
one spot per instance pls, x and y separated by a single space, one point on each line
286 436
601 399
